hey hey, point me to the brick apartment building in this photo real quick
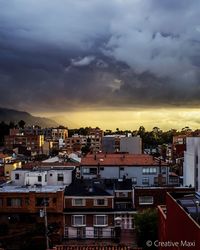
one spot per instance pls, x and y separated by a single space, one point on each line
32 143
87 211
25 198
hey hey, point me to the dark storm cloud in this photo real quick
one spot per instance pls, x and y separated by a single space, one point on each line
95 53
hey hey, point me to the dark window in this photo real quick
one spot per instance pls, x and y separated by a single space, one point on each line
121 169
14 202
40 202
39 178
93 170
27 201
16 176
60 177
145 180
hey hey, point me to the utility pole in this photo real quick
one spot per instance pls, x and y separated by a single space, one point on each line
43 213
46 224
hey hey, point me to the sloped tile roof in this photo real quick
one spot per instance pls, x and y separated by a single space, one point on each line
120 159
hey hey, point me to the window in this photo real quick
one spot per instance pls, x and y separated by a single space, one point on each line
145 181
102 168
100 202
93 170
121 168
90 170
78 202
98 232
1 202
14 202
78 220
39 178
100 220
16 176
41 201
149 171
27 201
122 194
146 200
60 177
86 170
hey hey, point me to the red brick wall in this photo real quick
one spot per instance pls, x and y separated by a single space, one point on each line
178 226
89 203
55 202
159 195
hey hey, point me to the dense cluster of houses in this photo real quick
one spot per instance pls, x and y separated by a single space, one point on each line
90 196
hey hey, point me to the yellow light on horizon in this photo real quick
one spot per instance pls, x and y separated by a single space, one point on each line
129 119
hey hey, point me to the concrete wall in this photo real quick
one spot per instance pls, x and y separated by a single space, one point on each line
132 145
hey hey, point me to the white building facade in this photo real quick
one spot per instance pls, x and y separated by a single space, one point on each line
191 166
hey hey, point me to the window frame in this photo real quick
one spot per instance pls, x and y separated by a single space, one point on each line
144 202
105 220
83 218
78 205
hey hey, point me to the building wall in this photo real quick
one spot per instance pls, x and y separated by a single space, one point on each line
158 193
89 202
132 145
9 167
108 144
51 177
178 226
191 166
32 142
30 202
118 172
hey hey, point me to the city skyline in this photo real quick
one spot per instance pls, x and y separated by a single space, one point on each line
102 63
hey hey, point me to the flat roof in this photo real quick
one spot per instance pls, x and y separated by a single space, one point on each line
10 188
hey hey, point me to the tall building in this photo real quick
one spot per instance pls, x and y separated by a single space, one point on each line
191 167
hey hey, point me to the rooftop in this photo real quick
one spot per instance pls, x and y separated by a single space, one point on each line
85 188
10 188
190 203
121 159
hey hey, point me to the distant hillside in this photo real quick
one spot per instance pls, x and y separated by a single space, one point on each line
8 115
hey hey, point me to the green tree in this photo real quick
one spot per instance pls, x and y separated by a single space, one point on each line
146 224
21 124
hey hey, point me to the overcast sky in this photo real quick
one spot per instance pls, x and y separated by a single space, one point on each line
99 54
